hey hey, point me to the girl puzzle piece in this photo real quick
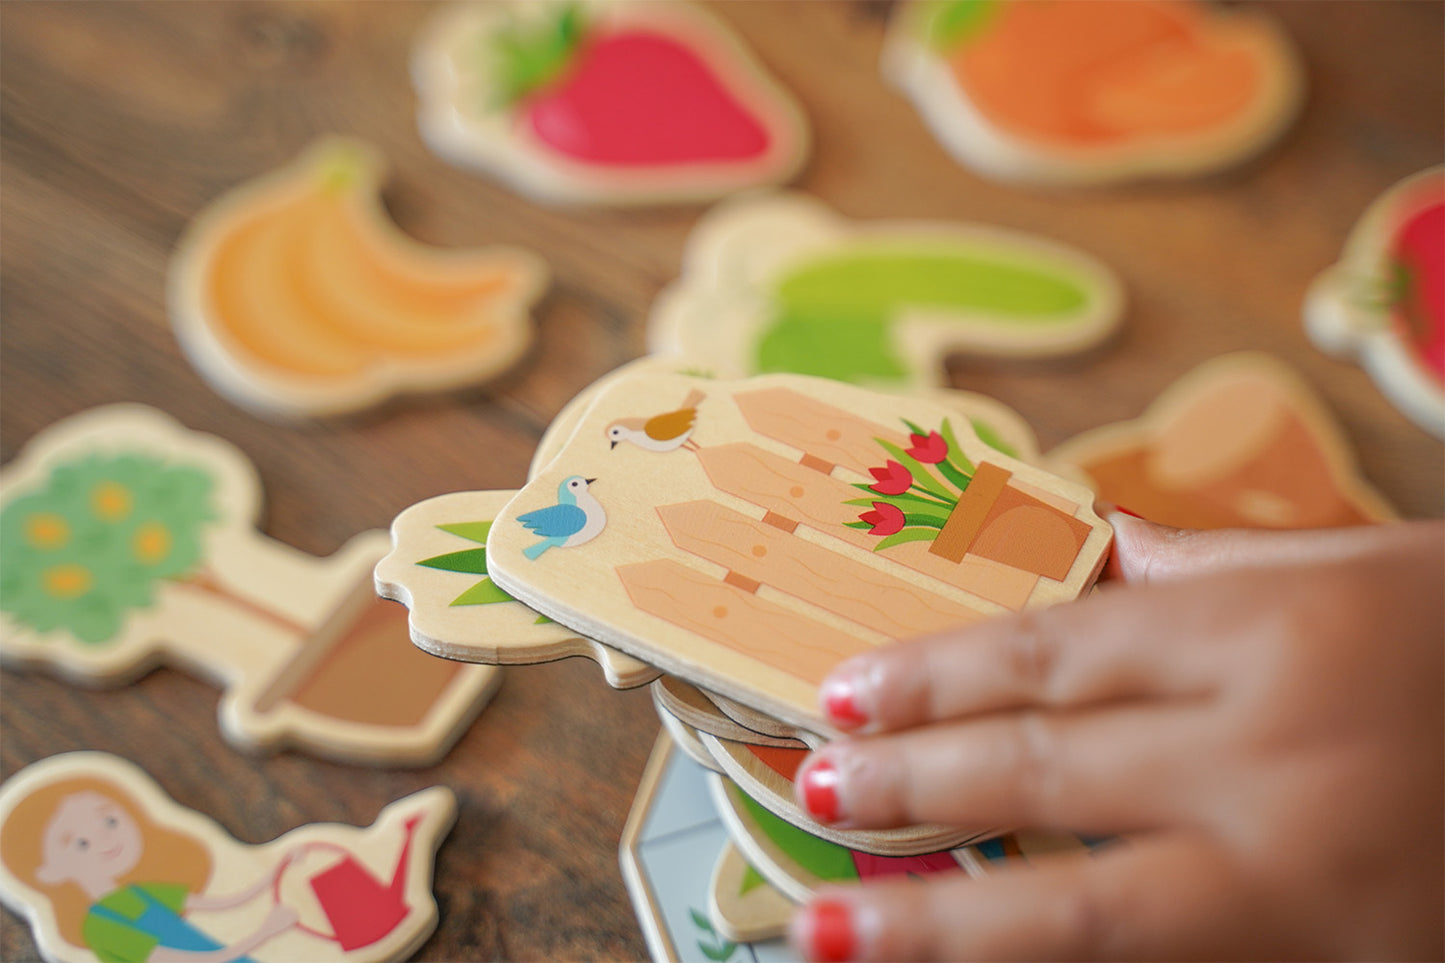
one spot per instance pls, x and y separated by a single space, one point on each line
696 523
129 541
1384 302
777 282
604 102
1089 92
296 295
105 866
1239 442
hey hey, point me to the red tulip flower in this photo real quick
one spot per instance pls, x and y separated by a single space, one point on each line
891 479
885 519
929 449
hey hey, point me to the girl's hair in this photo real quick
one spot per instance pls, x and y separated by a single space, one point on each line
167 855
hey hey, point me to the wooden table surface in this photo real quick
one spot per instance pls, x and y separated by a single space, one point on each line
121 120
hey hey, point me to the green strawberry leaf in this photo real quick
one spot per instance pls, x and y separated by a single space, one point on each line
473 561
472 531
485 592
531 56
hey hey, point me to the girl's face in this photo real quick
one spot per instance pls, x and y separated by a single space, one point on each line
90 837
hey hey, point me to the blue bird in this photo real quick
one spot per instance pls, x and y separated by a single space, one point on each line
576 519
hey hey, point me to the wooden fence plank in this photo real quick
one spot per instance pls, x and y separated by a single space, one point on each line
848 588
823 432
774 635
786 489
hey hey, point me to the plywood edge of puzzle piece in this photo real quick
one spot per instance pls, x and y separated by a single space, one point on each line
965 129
262 620
1346 313
721 311
495 141
1239 441
645 480
437 568
685 738
686 702
396 855
759 772
744 906
295 294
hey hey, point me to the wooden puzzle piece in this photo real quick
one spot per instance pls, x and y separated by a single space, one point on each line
669 848
743 905
1384 301
1240 441
1024 848
295 294
129 542
797 862
104 866
766 773
1090 92
806 510
675 698
604 102
780 283
437 568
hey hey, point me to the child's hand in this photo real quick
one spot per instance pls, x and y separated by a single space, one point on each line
1260 712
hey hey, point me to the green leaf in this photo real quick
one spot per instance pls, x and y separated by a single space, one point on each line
958 478
954 22
906 535
990 436
473 561
924 518
752 879
542 620
472 531
955 450
531 56
701 921
858 524
484 592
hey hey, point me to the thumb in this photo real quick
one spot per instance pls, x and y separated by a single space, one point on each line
1145 552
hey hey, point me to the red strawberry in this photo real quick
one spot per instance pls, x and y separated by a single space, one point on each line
627 96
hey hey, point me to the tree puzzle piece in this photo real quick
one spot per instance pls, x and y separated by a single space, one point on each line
1239 442
437 568
104 866
129 541
295 294
743 905
604 102
778 282
1384 301
792 520
1090 92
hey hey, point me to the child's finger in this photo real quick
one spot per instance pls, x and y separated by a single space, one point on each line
1132 643
1152 899
1116 769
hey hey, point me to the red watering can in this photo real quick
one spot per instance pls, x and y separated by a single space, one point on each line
360 908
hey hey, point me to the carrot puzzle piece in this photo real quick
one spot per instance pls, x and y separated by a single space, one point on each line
780 283
437 568
610 102
295 294
129 541
1239 442
105 866
1384 302
1094 91
809 511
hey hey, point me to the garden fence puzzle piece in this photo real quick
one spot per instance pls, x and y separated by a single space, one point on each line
296 294
669 849
437 568
104 866
1239 442
1089 92
766 774
778 282
697 524
604 102
129 541
1384 302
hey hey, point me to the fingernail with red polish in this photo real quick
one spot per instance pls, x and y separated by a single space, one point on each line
820 790
1131 514
828 932
840 704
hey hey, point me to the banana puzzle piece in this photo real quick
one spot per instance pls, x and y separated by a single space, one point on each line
105 866
295 294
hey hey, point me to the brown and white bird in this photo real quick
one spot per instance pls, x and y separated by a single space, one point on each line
665 432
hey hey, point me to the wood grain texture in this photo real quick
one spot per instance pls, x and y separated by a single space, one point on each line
119 121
